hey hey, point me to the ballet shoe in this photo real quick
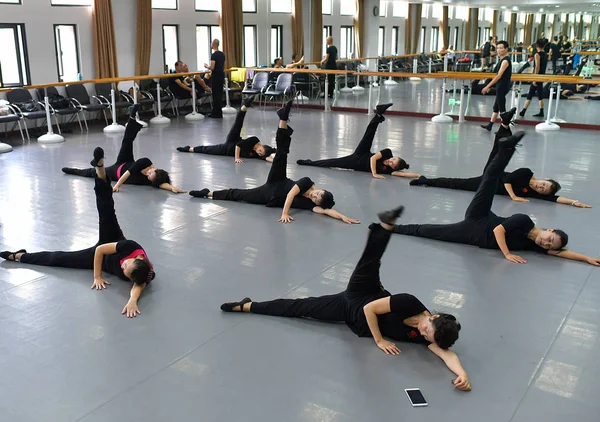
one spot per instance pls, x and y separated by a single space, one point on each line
512 141
507 116
133 110
248 101
522 113
418 182
388 217
98 155
200 193
303 162
228 306
284 112
68 170
540 114
487 127
184 149
381 108
11 256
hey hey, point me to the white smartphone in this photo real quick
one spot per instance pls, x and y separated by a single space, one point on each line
416 397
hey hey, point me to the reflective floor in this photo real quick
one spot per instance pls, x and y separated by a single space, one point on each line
530 332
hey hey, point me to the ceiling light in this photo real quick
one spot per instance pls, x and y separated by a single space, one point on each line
515 8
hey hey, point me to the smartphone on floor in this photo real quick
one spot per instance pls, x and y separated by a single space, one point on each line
416 397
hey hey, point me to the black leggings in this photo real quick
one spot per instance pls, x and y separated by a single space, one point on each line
278 174
364 284
352 161
478 214
228 148
537 89
125 153
218 81
108 231
500 103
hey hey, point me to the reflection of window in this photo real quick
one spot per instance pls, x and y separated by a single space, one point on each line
488 14
435 38
164 4
10 1
326 7
425 11
462 13
207 6
486 34
381 41
276 42
249 6
479 42
437 10
346 42
204 36
249 45
71 2
280 6
455 38
400 9
327 32
382 8
347 7
423 35
504 34
507 17
67 55
170 46
395 40
522 18
521 35
13 55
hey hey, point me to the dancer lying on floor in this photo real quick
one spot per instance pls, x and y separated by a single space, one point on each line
481 227
234 145
362 159
113 253
519 184
279 191
371 311
128 170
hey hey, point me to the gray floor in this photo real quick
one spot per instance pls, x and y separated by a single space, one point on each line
425 96
530 332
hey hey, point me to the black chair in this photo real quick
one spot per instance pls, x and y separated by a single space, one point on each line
143 98
27 107
283 88
165 95
103 91
79 95
11 116
71 110
259 84
303 83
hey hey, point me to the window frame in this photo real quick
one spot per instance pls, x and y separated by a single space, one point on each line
342 14
395 41
423 41
162 33
163 8
330 7
206 10
456 38
279 48
282 13
381 31
71 5
347 28
56 43
24 54
210 39
255 44
434 30
255 9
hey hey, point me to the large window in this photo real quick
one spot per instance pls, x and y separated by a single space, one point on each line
71 2
326 9
488 14
347 7
249 6
425 11
207 5
204 36
327 32
462 13
437 10
249 45
13 55
281 6
507 16
435 39
67 52
276 42
383 8
486 34
423 36
395 40
170 35
346 42
400 9
479 42
455 38
504 34
164 4
10 1
381 41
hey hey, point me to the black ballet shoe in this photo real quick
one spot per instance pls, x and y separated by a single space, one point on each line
290 131
228 306
248 101
133 110
418 182
507 116
522 113
98 155
540 114
388 217
284 112
184 149
511 141
69 170
487 127
200 193
11 256
303 162
381 108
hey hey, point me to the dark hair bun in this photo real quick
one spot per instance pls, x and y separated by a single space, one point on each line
446 330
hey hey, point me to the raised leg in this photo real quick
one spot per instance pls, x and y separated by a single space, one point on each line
233 136
365 278
503 132
126 151
278 170
109 229
365 144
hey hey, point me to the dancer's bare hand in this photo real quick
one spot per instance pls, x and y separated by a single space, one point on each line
519 199
131 309
285 218
239 161
388 347
594 261
462 383
580 205
99 283
116 189
378 176
349 220
177 190
515 258
485 90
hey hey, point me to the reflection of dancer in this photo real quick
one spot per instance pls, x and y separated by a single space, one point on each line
113 253
481 227
501 81
128 170
362 159
371 311
279 191
541 62
234 145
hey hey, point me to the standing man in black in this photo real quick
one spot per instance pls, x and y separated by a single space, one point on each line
329 61
566 48
217 66
485 52
541 62
501 80
554 53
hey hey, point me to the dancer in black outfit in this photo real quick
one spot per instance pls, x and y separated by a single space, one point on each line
501 81
541 62
128 170
113 253
519 184
362 159
279 191
234 145
371 311
217 67
481 227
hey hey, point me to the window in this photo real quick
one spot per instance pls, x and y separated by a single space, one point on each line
281 6
383 8
425 11
437 10
13 55
327 32
395 40
249 45
400 9
455 38
522 18
381 41
586 19
486 34
204 36
276 42
347 7
164 4
346 42
504 34
435 39
479 42
507 16
170 46
521 35
67 52
71 2
326 7
207 5
249 6
462 13
10 1
488 14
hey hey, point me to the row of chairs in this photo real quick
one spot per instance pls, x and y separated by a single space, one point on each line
285 86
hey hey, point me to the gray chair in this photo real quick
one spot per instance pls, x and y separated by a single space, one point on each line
79 95
70 113
12 117
18 98
259 84
283 89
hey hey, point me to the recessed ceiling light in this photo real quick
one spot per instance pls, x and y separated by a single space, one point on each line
515 8
557 6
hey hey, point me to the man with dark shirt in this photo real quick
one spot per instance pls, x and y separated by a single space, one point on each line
485 52
330 63
501 81
566 48
217 67
181 86
554 51
541 62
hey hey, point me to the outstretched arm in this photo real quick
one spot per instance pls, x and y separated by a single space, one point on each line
575 257
402 173
573 202
122 180
168 186
106 249
131 308
453 363
374 160
334 214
